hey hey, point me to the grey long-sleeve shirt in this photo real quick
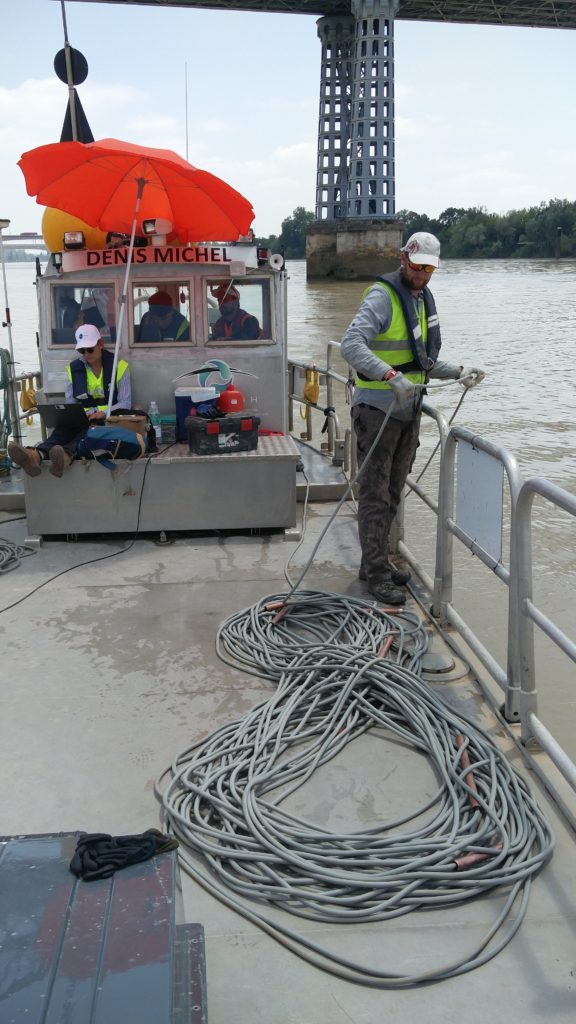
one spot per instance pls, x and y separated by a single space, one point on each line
373 317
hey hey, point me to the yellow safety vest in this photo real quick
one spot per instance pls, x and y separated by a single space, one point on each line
95 385
393 345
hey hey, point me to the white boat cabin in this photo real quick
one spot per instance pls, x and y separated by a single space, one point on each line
86 287
171 324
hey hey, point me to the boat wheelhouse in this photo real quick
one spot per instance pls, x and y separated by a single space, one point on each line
183 491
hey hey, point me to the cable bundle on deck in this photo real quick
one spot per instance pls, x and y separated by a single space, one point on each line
343 667
11 554
267 637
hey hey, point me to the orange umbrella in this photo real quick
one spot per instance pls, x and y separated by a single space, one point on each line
101 181
115 185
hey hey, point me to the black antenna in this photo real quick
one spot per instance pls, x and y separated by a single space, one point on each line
71 67
69 74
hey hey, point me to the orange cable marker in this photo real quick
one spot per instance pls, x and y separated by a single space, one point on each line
467 860
283 611
465 762
386 647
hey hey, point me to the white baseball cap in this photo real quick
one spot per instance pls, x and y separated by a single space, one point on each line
87 336
422 247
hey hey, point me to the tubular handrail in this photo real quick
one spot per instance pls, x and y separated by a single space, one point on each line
328 377
529 614
517 680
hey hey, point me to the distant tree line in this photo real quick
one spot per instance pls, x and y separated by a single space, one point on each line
539 231
19 255
291 241
546 230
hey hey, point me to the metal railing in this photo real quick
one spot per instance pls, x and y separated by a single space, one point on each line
14 387
517 679
337 443
22 382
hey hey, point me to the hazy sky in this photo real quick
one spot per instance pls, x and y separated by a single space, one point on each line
484 115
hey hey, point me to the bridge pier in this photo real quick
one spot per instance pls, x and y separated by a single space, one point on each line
355 234
352 249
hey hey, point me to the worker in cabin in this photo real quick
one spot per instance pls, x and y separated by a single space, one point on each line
162 322
88 383
393 344
71 312
233 323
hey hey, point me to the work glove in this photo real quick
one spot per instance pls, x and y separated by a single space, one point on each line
402 388
470 377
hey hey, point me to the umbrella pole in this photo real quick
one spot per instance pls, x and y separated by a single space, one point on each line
121 316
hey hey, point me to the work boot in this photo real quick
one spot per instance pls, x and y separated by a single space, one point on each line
28 459
385 592
398 576
60 459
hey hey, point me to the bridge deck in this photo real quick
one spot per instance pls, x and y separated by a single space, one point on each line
530 13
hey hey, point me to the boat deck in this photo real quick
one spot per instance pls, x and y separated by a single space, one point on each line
109 671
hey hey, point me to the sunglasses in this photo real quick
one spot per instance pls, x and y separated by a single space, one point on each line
426 267
85 351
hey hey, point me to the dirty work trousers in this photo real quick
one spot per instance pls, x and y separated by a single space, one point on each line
66 438
382 482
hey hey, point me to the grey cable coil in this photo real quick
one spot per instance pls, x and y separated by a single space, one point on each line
337 676
11 554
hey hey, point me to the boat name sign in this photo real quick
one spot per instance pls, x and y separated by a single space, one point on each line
84 258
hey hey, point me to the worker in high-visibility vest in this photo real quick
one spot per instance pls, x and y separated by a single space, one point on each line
233 323
393 343
163 322
89 383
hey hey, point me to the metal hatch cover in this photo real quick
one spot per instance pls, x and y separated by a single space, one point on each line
101 952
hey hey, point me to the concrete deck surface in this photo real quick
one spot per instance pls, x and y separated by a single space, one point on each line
109 671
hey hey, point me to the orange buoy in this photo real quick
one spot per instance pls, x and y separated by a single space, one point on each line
56 222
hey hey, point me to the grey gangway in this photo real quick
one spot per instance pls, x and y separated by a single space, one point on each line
355 232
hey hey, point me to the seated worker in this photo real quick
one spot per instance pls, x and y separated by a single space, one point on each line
162 322
71 313
89 384
74 316
233 322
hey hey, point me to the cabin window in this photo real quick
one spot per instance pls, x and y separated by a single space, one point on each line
238 312
161 313
74 305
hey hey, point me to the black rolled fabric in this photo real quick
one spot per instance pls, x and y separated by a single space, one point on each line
99 855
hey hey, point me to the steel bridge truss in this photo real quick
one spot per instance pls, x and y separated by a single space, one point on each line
355 175
528 13
355 168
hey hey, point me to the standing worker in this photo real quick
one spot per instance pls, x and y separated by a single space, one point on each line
393 344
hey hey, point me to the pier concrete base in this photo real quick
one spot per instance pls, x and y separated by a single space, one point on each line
352 250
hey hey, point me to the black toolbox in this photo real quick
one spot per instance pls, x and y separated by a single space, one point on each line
224 435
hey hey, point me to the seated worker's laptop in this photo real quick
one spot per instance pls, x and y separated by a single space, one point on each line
67 416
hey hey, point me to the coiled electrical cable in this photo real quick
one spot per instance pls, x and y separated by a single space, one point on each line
343 667
267 637
11 554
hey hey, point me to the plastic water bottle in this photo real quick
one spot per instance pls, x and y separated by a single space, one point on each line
154 415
